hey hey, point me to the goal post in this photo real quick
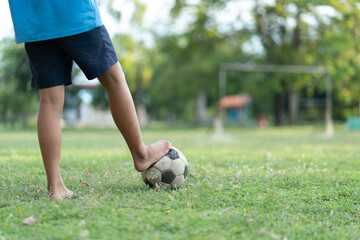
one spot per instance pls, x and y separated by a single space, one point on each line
329 127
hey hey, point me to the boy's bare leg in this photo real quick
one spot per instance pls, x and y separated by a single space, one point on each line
49 134
124 114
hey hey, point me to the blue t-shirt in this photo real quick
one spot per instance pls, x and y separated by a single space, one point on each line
37 20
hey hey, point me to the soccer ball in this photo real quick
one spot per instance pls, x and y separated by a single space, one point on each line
169 172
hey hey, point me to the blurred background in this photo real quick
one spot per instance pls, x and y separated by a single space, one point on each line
175 53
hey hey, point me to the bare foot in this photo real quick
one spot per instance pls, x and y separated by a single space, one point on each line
60 193
150 154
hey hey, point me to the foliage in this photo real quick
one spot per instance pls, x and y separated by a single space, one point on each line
339 49
320 33
17 99
182 65
187 63
132 55
135 61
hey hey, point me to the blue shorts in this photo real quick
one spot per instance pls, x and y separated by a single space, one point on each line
51 60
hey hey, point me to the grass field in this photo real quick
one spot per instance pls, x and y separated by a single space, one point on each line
285 183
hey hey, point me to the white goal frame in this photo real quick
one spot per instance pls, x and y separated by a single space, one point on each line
329 126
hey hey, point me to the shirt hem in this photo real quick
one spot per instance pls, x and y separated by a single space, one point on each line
58 35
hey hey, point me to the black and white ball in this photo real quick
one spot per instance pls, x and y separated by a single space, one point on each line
169 172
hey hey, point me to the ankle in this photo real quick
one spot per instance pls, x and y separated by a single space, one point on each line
57 186
140 153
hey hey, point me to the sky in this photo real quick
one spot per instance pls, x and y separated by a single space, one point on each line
6 28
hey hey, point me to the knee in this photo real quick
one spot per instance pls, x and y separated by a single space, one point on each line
51 101
49 97
114 77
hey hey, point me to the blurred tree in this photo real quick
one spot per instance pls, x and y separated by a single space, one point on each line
186 64
180 72
112 7
134 59
311 33
339 49
17 100
287 40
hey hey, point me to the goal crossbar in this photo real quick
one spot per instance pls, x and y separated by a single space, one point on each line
329 130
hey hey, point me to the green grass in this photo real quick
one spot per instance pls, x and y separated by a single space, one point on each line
256 184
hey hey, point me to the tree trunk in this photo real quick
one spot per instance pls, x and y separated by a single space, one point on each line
201 105
141 108
278 108
6 115
357 49
24 120
293 106
142 114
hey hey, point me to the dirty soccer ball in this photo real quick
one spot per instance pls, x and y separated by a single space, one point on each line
169 172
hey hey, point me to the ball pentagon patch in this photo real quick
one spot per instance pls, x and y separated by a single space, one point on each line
173 154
